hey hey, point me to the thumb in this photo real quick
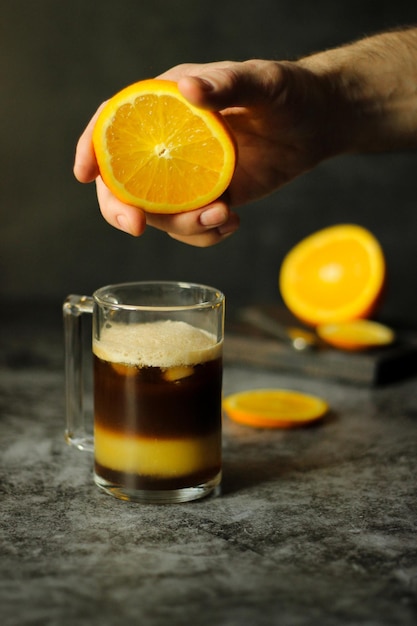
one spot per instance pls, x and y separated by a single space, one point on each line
233 84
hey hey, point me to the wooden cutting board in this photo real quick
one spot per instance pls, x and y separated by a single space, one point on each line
247 345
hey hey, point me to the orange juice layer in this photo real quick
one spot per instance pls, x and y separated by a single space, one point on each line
153 457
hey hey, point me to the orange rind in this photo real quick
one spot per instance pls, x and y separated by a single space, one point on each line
157 151
334 275
274 408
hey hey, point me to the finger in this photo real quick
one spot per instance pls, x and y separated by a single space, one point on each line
122 216
212 236
191 223
85 164
220 86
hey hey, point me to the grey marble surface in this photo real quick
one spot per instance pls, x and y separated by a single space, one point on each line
314 526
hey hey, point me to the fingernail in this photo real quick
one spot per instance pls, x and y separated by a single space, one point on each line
123 223
213 217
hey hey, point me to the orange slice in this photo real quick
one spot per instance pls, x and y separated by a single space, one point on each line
334 275
356 335
274 408
157 151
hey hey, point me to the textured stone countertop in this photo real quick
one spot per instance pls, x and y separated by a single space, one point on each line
315 526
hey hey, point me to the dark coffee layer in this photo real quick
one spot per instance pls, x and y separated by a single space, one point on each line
150 402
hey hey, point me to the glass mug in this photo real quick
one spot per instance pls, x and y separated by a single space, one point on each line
157 362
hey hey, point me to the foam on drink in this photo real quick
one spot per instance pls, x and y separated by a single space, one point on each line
163 344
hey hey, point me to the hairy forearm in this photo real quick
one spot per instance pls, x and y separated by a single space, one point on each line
373 93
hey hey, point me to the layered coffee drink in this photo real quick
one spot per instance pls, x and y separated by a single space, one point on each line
157 406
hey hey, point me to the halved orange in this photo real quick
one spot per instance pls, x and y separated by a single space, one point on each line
356 334
157 151
334 275
274 408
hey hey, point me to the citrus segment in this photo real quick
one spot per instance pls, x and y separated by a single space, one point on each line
157 151
274 408
356 335
334 275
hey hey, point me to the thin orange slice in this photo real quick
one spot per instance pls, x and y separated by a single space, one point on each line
157 151
274 408
334 275
356 335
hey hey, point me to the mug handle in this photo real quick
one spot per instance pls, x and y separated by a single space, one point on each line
76 432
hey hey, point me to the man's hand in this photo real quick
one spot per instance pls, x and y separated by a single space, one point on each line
286 118
265 104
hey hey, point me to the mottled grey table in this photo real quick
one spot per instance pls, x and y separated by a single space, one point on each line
314 527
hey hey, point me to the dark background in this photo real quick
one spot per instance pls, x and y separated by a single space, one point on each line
60 59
